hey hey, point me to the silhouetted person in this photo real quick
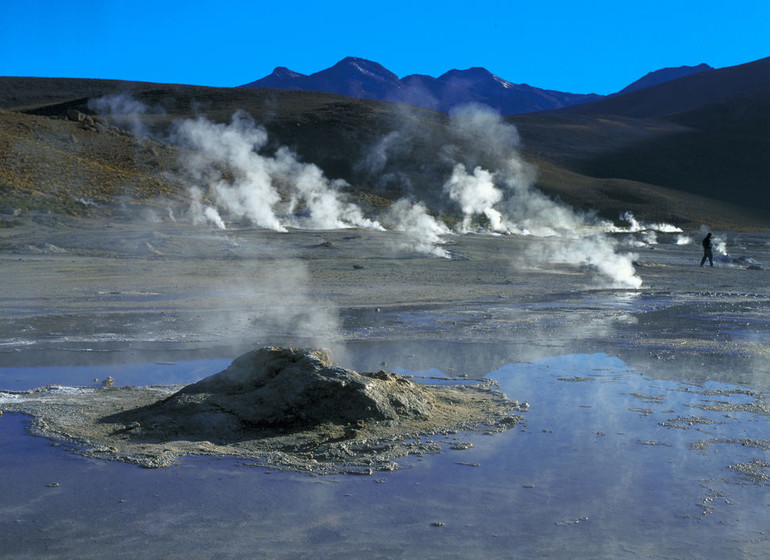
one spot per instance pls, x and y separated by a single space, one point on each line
707 250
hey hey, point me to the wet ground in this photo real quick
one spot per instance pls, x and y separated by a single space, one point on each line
608 463
647 433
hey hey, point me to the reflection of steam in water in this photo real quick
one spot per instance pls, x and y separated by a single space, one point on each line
589 404
592 473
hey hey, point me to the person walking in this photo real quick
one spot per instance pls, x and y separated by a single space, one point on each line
707 250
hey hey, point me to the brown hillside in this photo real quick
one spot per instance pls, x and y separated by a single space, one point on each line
55 165
49 162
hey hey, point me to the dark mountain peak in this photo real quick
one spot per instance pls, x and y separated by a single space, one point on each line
474 74
353 66
665 75
281 78
687 93
283 73
362 78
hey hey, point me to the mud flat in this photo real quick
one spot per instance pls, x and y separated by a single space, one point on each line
80 292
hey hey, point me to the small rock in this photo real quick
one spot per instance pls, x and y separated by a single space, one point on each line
75 115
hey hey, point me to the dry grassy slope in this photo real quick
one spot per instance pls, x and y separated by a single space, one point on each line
48 162
55 165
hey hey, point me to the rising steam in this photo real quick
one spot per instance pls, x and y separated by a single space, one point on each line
507 198
231 175
125 111
423 231
276 191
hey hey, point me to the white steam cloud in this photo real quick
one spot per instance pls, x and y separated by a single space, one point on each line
635 226
231 176
507 198
203 213
476 194
424 232
273 191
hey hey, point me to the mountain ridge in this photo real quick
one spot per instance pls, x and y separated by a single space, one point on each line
365 79
361 78
690 151
685 93
664 75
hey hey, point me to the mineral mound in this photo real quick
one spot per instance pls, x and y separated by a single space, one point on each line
281 407
282 389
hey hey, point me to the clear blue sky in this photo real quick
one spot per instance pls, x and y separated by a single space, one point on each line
577 46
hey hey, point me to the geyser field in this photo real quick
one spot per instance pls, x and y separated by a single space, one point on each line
543 382
647 407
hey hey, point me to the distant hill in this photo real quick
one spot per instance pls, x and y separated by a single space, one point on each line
21 93
664 75
707 133
686 93
364 79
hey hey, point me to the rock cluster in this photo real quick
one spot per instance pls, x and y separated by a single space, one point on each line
87 122
93 123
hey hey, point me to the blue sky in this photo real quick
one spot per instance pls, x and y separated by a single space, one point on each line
577 46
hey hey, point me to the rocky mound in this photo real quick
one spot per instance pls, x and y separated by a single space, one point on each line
282 389
279 407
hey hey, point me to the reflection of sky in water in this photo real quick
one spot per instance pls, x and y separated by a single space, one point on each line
606 464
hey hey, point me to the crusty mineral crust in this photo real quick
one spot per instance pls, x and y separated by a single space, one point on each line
280 407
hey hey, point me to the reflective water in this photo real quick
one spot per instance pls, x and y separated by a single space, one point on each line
609 463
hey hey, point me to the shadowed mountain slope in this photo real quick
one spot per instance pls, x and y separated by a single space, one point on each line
662 76
705 134
685 94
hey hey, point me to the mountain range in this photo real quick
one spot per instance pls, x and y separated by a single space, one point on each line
364 79
688 150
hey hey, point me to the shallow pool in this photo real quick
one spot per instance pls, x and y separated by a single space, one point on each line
609 463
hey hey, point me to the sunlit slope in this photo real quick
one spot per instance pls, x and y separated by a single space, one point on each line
54 165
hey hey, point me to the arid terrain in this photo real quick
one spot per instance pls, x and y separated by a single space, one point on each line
152 237
668 154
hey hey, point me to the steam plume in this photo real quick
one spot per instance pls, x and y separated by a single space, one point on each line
274 192
510 202
423 230
125 110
